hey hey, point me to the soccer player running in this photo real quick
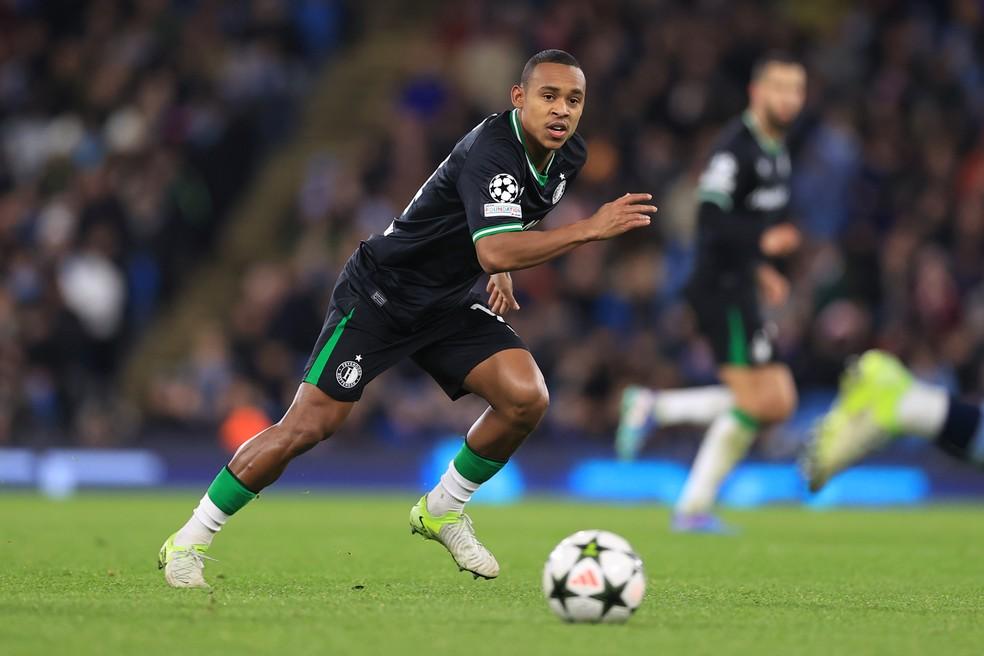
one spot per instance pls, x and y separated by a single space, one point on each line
879 400
744 196
407 294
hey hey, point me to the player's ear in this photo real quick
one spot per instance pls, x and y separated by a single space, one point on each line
518 95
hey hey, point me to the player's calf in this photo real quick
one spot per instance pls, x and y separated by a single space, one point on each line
514 387
312 418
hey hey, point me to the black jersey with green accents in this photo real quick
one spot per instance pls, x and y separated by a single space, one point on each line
425 262
744 189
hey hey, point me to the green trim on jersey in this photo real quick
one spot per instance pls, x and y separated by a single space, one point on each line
541 178
318 368
737 344
719 198
496 229
768 144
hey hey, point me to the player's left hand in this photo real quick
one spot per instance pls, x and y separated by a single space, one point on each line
500 289
780 240
774 286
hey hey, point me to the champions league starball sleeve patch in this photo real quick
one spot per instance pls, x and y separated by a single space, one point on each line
503 188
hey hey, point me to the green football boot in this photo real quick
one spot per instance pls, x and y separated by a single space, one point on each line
183 566
863 418
455 531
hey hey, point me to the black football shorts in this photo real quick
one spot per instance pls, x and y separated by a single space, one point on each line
731 320
359 341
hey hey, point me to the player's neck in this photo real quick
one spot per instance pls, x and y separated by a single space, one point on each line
769 136
538 155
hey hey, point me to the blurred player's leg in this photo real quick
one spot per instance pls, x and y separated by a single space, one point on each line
644 410
513 385
763 395
879 400
312 417
696 405
726 442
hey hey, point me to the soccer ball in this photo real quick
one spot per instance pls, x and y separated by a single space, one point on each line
594 576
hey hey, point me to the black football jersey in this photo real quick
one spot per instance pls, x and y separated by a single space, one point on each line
425 262
744 189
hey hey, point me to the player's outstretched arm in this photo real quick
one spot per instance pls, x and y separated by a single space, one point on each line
510 251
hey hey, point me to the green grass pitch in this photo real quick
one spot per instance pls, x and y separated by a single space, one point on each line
310 574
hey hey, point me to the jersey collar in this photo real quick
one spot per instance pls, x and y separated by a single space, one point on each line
766 143
541 178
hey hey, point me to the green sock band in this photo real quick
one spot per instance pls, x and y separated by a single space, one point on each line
474 467
228 493
746 419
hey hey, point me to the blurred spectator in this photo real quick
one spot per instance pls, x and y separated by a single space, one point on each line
127 130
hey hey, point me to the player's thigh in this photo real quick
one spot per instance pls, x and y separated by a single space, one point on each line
478 352
509 378
767 392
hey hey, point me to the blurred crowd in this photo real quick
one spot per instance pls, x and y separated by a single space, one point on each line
888 190
127 131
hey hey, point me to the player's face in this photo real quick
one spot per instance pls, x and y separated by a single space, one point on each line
551 103
780 93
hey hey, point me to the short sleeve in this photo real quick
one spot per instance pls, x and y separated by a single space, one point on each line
490 188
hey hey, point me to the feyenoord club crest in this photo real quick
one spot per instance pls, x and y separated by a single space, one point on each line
348 374
761 347
559 191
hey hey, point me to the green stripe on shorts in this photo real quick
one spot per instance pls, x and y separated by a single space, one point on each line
314 375
737 342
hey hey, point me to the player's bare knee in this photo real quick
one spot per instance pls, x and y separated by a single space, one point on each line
526 404
771 405
781 399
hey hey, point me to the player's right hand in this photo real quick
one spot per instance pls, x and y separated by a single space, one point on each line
621 215
780 240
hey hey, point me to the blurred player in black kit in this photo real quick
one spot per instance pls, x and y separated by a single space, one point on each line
744 197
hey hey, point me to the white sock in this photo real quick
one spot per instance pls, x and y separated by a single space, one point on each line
451 493
205 522
695 405
922 410
725 443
